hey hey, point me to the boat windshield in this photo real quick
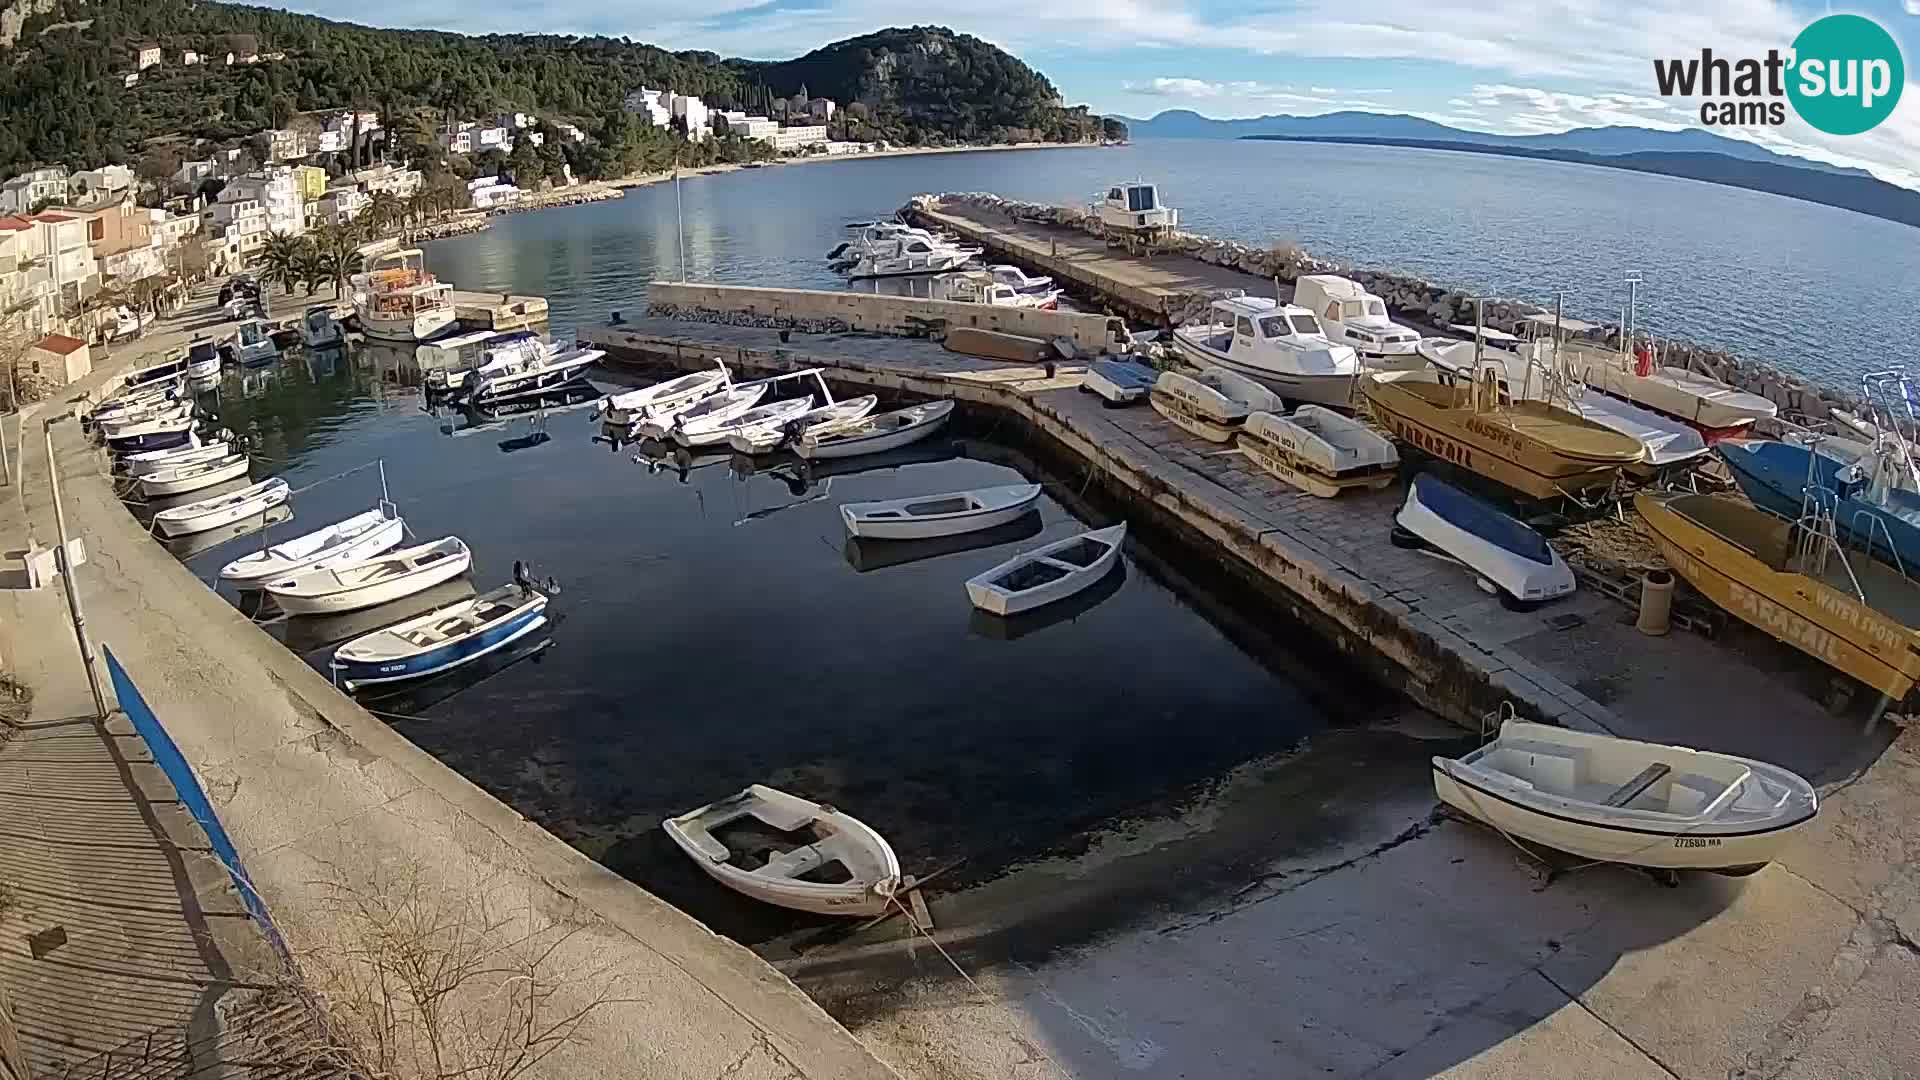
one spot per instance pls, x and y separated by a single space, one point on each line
1140 198
250 334
1483 521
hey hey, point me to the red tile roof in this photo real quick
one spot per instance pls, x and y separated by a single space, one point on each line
60 344
55 218
14 224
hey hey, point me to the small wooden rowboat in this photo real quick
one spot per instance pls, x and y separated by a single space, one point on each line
766 438
1618 800
352 586
711 409
441 640
1212 403
665 398
1319 450
221 510
181 479
153 461
777 876
923 517
1046 574
876 434
713 432
359 537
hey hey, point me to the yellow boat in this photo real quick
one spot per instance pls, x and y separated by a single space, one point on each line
1535 448
1857 617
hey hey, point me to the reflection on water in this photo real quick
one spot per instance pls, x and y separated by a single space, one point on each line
1014 627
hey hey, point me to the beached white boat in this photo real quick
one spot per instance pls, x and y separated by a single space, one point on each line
872 870
1319 450
193 476
1121 382
1622 801
767 438
663 398
711 431
876 434
1045 574
1350 315
441 640
359 537
195 453
714 408
1509 558
1211 403
923 517
1278 344
221 509
351 586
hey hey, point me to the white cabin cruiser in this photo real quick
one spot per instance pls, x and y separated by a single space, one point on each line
445 362
1279 345
400 301
520 363
1008 274
1136 207
1352 316
253 344
901 258
980 287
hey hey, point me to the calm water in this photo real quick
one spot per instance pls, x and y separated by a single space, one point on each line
714 630
1818 291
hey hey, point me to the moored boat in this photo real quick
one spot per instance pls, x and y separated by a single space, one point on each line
153 435
1279 345
1623 801
1319 450
196 453
441 640
663 398
182 479
1048 573
1508 557
1211 403
400 301
195 517
166 371
871 870
712 431
714 408
361 536
319 329
146 416
253 345
767 438
877 433
527 366
1120 382
203 359
377 580
924 517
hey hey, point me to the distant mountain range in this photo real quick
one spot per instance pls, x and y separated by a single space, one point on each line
1691 153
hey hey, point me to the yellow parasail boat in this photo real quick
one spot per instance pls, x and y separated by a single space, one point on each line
1534 447
1857 617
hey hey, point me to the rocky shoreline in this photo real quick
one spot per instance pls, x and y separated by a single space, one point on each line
1415 300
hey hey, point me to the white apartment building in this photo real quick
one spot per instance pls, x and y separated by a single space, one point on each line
172 230
277 191
487 192
403 183
242 223
146 55
790 139
341 205
492 138
285 145
26 285
456 140
57 256
655 105
750 127
694 113
22 193
93 183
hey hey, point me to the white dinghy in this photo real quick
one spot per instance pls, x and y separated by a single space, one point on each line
876 434
714 408
1046 574
361 536
1212 403
162 413
871 870
181 479
923 517
1622 801
712 432
766 438
352 586
153 461
1508 558
663 398
222 509
1319 450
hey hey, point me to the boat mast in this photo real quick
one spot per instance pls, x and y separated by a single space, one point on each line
679 218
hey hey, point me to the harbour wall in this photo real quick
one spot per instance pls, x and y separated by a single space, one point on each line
823 311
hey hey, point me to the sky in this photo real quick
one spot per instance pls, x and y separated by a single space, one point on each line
1487 65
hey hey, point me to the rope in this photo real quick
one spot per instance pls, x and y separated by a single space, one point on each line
336 476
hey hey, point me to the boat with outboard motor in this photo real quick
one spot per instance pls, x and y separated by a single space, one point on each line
1280 345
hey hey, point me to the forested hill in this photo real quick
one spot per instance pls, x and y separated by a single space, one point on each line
62 96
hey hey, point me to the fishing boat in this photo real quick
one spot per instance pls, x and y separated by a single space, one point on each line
319 329
182 479
1350 315
1119 382
1873 502
714 408
520 364
253 344
354 539
1536 448
399 301
153 435
197 517
1623 801
166 371
767 438
1046 574
1639 378
1280 345
377 580
865 873
1793 581
877 433
664 398
980 287
441 640
711 431
203 359
196 453
1319 450
1508 558
1211 403
923 517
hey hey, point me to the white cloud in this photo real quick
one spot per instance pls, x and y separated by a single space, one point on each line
1913 7
1227 97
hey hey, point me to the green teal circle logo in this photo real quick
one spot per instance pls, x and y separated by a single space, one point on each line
1847 74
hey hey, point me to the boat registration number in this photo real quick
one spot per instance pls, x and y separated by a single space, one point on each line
1696 841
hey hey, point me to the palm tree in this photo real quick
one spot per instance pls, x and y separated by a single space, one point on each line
419 206
338 257
383 211
280 259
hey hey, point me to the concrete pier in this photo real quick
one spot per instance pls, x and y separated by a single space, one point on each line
498 311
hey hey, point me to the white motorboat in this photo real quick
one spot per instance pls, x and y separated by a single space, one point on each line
147 398
355 585
152 435
1639 379
980 287
319 329
1046 574
1279 345
709 431
196 453
876 434
1008 274
446 362
827 418
167 372
253 344
153 415
904 257
1211 403
1136 207
203 360
1622 801
1319 450
521 364
398 300
664 398
441 640
1121 382
923 517
221 510
714 408
1350 315
359 537
867 865
181 479
1507 557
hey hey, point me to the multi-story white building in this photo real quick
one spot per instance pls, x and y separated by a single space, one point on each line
572 133
789 139
655 105
188 58
401 183
28 190
492 138
277 191
56 255
749 127
242 223
94 183
487 192
694 114
517 120
285 145
456 139
341 205
172 230
26 281
146 54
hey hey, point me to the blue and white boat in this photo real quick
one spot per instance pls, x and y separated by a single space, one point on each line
157 435
1881 518
1506 556
441 640
1121 382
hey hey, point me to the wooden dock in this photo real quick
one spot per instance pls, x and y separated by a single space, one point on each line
1418 622
498 311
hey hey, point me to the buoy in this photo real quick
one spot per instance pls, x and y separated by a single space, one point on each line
1656 603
